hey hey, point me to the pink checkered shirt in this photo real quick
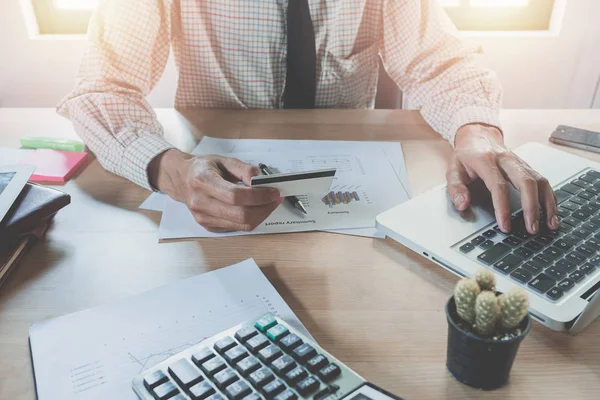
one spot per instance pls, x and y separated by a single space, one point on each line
232 54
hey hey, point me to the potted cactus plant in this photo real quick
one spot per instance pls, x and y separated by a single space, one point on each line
485 331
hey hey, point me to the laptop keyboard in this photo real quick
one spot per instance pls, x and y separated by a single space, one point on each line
551 263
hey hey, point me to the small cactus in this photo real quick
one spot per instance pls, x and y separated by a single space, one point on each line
465 294
477 304
513 305
486 280
487 312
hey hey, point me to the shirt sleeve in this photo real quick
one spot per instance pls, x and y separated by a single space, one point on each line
128 47
436 70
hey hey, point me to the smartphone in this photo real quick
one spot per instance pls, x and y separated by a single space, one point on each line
577 138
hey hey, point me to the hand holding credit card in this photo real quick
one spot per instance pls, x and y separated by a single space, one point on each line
295 183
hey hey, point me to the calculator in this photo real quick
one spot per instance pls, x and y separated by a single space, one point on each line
264 359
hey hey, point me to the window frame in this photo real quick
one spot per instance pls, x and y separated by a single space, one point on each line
555 14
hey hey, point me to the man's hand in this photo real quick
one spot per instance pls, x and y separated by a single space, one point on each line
208 186
480 153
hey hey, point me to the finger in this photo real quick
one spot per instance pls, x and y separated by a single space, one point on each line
487 169
212 183
458 179
548 201
240 170
251 216
521 178
216 216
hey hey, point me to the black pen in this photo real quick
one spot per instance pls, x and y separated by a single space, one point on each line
292 199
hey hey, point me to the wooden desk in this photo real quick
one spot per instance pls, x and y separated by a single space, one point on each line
372 303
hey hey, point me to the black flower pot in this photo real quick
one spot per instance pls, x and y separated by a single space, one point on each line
480 362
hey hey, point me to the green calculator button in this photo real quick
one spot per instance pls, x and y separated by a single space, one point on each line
277 332
266 322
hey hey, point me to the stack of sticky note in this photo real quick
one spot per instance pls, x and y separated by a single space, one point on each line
54 166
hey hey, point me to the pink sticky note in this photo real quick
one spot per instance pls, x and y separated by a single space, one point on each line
53 165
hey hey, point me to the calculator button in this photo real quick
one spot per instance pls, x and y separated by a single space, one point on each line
225 378
261 377
269 354
316 363
290 342
165 391
283 365
329 390
213 366
247 366
185 373
265 323
222 345
270 390
235 354
329 373
304 352
201 391
238 390
295 375
287 394
307 385
155 379
277 332
245 333
202 356
257 343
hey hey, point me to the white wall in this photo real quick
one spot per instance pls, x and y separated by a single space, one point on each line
38 73
537 72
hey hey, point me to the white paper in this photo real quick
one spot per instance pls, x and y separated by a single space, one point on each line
208 145
392 150
366 179
10 156
95 354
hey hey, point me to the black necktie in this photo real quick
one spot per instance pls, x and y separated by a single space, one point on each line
301 82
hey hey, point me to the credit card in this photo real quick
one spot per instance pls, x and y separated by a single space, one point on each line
297 183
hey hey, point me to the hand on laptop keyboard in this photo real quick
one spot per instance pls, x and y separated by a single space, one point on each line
480 153
550 263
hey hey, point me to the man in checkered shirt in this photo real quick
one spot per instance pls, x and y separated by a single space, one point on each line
234 54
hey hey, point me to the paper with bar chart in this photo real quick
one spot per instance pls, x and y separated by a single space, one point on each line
365 180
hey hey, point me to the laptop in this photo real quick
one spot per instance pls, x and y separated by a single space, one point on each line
560 270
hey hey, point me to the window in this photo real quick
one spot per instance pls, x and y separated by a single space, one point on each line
501 15
58 17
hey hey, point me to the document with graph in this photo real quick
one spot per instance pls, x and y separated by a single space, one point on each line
365 185
94 354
